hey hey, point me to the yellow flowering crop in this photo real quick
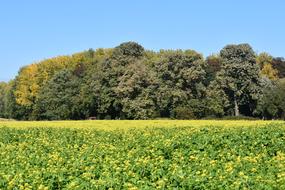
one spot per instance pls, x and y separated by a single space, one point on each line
166 154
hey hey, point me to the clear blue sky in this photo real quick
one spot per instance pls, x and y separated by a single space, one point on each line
31 30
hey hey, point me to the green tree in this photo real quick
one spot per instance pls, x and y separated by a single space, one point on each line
213 65
58 99
271 105
114 67
181 76
239 77
217 102
14 110
136 90
91 91
126 52
3 91
91 72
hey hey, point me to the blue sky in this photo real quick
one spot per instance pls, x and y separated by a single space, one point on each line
32 30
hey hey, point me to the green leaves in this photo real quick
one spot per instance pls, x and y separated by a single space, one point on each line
210 157
57 99
181 77
239 77
129 82
271 105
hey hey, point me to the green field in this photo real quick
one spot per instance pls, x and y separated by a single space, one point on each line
158 154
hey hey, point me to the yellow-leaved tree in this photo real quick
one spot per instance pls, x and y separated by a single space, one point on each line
269 71
31 78
265 62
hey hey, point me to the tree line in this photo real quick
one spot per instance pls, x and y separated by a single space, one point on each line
129 82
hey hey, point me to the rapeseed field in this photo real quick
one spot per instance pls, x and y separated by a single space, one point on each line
158 154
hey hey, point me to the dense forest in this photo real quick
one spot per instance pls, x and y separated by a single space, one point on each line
129 82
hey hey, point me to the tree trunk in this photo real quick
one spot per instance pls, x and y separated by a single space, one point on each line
236 107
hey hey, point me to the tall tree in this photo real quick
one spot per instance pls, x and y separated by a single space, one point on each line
136 89
12 108
271 105
113 68
217 101
58 99
91 92
182 76
239 77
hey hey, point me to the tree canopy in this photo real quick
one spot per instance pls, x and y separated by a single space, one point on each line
130 82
